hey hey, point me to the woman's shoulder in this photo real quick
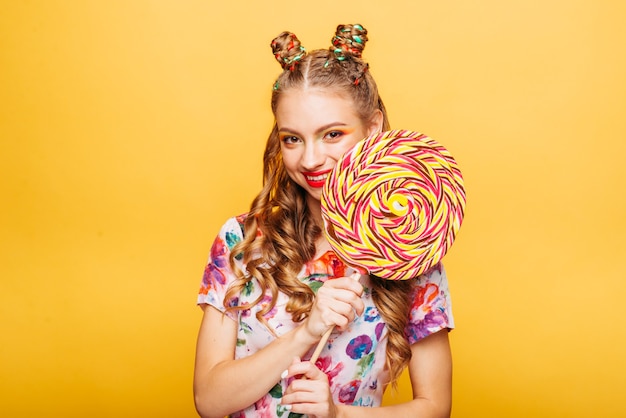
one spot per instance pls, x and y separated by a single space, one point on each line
230 234
432 282
436 274
217 273
431 308
237 220
233 228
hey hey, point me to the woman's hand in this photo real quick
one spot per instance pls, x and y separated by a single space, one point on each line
337 304
309 395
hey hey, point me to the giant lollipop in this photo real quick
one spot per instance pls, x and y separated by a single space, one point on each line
393 205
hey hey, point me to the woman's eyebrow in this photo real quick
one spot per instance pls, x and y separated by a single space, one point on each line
317 131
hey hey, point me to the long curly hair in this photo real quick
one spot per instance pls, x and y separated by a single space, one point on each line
280 232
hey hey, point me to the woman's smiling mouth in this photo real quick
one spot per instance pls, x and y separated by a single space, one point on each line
316 179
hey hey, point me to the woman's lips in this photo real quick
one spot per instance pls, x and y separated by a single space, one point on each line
316 179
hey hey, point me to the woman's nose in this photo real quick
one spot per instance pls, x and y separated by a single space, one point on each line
313 156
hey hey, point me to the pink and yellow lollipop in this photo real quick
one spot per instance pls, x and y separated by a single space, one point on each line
393 204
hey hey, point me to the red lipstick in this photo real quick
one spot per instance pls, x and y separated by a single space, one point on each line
316 179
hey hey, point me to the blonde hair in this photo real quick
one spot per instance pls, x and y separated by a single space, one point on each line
280 231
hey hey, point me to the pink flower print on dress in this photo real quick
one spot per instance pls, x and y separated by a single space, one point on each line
325 363
263 407
426 295
328 264
428 312
267 299
212 272
348 392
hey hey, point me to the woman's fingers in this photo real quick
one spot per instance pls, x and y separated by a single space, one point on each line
345 283
337 304
304 368
308 396
337 293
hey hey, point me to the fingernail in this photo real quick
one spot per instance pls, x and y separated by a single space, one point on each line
286 407
284 374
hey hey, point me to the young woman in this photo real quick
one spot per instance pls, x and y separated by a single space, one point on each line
273 286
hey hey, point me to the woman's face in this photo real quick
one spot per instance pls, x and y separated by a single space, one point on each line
315 129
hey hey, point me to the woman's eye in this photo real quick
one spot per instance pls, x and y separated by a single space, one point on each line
290 139
334 134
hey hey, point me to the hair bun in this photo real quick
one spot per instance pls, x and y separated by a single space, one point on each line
287 50
349 41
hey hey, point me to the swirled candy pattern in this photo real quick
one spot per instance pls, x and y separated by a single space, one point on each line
393 204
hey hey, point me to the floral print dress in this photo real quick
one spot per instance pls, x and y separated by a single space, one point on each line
353 360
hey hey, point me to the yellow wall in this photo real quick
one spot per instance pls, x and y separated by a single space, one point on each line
131 129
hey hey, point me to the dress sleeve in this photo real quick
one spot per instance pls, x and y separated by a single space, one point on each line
218 274
431 310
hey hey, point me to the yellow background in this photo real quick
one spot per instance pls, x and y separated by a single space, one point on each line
131 129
